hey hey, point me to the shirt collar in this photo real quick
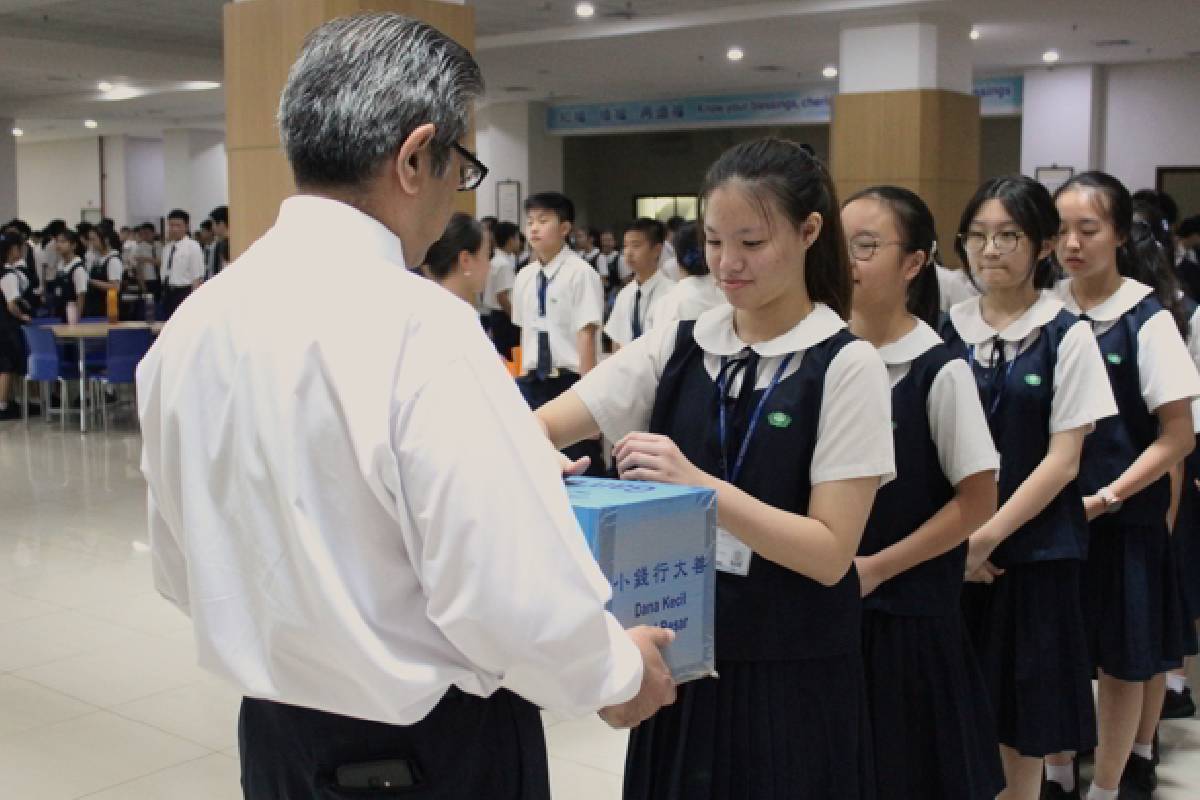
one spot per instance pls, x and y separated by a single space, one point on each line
911 346
551 269
652 283
715 334
969 322
1129 294
302 214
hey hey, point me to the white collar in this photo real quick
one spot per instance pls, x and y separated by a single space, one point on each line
1129 294
652 283
968 320
715 334
911 346
551 270
302 214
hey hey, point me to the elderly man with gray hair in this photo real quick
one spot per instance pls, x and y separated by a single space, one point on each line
353 504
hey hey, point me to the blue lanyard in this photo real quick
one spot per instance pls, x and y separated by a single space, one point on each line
995 404
722 388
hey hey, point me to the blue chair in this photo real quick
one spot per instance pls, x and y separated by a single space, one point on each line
46 366
126 348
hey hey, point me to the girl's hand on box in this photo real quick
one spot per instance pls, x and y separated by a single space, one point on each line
654 457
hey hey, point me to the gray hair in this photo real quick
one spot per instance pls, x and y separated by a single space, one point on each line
362 85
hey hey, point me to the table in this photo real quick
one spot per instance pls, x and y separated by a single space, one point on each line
84 332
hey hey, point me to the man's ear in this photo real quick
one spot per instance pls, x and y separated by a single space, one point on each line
412 164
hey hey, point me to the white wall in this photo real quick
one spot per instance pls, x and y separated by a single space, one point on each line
116 200
511 139
1153 120
196 172
1060 120
56 180
144 180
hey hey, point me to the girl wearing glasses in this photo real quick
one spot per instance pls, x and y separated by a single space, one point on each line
773 403
921 673
1043 388
1131 599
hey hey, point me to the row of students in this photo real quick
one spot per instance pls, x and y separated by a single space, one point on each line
1037 613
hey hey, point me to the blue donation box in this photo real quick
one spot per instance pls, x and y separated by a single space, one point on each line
656 544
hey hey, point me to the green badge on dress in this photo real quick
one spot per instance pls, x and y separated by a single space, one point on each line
1033 380
779 419
1114 359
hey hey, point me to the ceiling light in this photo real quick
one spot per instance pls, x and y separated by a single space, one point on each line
120 92
18 132
585 10
201 86
974 34
735 54
1050 56
90 123
830 72
104 86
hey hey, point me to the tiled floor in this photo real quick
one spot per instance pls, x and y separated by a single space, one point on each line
99 694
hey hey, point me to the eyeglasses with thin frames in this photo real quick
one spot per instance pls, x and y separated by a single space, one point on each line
471 172
1004 242
864 249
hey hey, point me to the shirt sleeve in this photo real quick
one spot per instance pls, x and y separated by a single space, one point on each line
506 276
520 283
10 287
589 299
1165 367
959 427
617 326
620 391
1082 392
116 270
517 592
80 278
1193 345
854 433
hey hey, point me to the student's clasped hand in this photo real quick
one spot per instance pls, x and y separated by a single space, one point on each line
658 687
654 457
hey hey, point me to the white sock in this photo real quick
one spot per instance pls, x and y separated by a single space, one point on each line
1064 776
1096 793
1175 682
1145 751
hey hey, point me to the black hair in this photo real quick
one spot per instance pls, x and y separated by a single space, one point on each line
1167 207
463 232
488 222
22 226
1189 227
915 224
7 243
1031 207
689 251
207 225
148 226
504 232
654 231
55 227
179 213
83 229
112 239
220 214
781 172
556 203
1141 258
74 238
675 222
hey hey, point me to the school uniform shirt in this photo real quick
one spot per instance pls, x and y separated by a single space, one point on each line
10 284
114 269
183 263
668 265
146 250
613 268
574 300
79 277
854 430
502 274
50 263
689 298
954 286
620 322
354 504
956 418
1193 346
1166 369
23 284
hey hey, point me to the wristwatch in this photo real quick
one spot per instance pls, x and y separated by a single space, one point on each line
1109 498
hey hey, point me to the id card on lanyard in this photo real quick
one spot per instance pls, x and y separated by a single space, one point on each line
733 556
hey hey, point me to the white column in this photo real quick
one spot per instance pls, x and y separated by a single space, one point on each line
8 171
905 56
1062 119
196 172
113 178
511 139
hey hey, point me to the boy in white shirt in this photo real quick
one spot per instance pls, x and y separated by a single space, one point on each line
634 309
558 302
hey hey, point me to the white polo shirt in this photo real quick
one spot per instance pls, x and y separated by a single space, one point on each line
653 292
574 300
